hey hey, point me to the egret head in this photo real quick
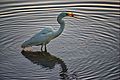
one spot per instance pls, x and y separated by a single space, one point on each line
64 14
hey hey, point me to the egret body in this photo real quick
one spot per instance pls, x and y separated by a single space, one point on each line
47 34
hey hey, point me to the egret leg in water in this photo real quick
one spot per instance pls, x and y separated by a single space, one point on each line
44 49
41 47
47 34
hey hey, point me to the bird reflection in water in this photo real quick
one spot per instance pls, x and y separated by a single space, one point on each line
46 60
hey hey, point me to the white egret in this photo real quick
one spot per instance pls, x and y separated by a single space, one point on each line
47 34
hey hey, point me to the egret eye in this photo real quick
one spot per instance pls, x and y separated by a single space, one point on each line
66 14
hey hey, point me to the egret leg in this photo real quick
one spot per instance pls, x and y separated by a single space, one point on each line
45 48
42 47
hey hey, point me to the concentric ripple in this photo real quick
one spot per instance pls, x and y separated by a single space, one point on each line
88 49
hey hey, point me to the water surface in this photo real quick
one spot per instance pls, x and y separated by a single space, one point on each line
88 49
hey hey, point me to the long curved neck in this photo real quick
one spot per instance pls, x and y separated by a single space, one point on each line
62 25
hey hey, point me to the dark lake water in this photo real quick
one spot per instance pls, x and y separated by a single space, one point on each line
88 48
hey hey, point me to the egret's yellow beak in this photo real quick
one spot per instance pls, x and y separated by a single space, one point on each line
70 14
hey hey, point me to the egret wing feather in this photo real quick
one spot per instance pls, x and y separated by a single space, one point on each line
46 30
39 38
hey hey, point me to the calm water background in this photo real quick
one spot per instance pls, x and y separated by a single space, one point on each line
88 49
